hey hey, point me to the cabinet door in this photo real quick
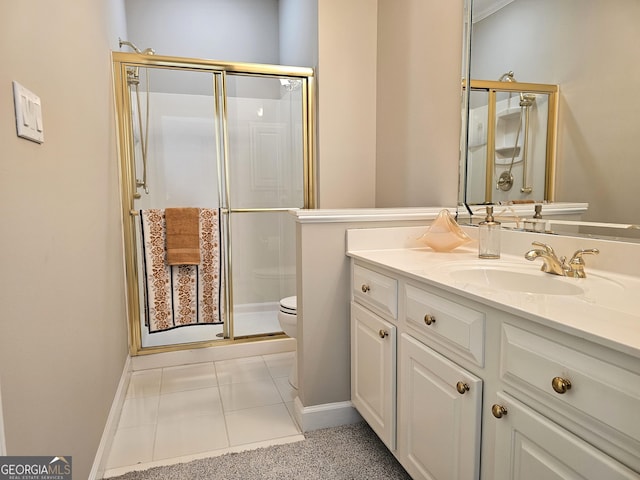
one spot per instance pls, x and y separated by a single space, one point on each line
531 447
373 372
439 415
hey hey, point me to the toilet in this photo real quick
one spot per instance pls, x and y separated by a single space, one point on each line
288 318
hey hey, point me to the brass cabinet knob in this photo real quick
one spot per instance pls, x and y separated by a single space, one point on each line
498 410
365 288
462 388
560 385
429 319
383 333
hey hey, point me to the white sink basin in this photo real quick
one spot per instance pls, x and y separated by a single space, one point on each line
512 279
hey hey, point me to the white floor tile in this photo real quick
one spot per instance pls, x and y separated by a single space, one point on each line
241 370
190 435
258 424
291 408
144 383
137 411
236 396
279 364
132 446
179 405
176 412
188 377
287 392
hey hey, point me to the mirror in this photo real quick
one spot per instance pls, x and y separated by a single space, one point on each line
587 48
511 142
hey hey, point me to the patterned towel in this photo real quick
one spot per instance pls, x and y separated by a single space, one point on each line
180 295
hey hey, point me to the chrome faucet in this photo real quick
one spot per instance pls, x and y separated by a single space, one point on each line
559 266
552 264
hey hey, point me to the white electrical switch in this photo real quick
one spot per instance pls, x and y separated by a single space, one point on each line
28 114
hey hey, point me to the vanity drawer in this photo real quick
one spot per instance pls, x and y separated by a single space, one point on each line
600 389
375 290
459 328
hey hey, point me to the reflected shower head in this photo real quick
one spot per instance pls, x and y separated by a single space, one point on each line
507 77
527 99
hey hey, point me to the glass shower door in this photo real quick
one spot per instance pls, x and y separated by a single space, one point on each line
176 148
265 167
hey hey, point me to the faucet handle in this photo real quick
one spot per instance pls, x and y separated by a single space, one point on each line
576 264
577 257
547 248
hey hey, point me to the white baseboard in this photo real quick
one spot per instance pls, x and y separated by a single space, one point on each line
102 455
325 416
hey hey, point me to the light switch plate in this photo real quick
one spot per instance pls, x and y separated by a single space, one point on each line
28 114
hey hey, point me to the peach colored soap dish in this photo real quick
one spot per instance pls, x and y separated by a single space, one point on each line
444 234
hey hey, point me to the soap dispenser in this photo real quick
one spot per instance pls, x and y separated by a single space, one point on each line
489 236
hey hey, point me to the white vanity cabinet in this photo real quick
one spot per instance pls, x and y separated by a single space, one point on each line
580 388
458 389
531 447
373 351
439 415
411 395
373 372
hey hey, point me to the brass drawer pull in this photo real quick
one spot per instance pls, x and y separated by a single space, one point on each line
462 388
560 385
365 288
383 333
498 411
429 319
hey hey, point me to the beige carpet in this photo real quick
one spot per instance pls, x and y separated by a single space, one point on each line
349 452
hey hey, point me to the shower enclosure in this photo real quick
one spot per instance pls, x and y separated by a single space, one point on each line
511 142
234 140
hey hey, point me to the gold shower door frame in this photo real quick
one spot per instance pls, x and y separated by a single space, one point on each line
492 87
124 124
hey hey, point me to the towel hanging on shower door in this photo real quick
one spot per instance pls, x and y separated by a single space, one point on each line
182 232
180 295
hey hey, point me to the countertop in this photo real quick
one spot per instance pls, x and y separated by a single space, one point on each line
606 312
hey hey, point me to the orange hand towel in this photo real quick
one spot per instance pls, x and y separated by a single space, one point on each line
182 236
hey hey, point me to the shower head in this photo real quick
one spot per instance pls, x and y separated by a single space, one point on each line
507 77
146 51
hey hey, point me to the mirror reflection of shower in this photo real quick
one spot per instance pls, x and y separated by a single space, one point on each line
506 179
142 137
511 141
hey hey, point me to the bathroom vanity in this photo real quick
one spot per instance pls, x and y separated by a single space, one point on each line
492 369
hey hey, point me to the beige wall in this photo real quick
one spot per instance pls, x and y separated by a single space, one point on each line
63 339
418 102
347 103
389 109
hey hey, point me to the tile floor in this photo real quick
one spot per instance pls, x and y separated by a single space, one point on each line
204 409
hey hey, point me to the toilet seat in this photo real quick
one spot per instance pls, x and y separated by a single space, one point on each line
289 305
288 319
